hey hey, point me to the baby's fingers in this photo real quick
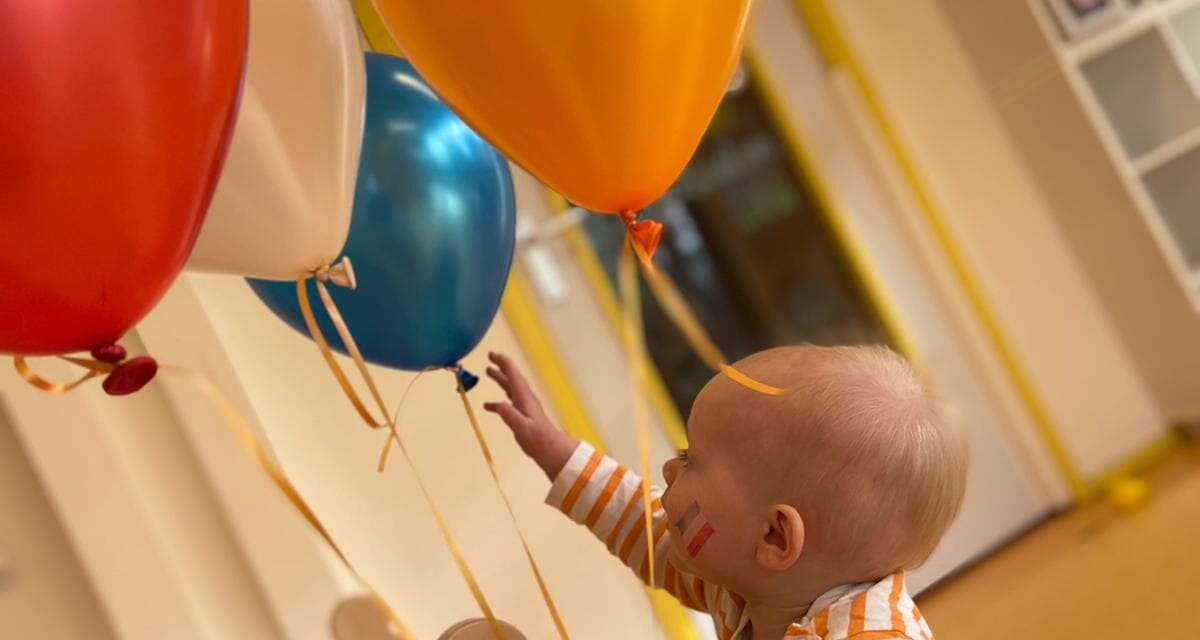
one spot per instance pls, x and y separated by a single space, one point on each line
514 383
509 414
499 377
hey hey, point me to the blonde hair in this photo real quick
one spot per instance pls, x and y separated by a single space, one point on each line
878 475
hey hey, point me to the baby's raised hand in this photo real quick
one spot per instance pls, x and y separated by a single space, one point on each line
536 435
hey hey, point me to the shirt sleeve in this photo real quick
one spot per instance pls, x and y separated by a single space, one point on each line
607 498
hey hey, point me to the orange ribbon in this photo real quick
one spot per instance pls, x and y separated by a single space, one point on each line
672 302
320 277
684 319
635 353
487 456
95 369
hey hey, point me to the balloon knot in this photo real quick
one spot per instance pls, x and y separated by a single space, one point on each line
646 234
109 354
130 376
466 379
340 273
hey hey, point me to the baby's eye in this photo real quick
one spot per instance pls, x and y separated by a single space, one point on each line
683 456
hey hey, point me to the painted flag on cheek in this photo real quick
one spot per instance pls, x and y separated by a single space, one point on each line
694 529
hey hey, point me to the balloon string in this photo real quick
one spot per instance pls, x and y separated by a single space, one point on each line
459 560
635 353
487 456
95 369
254 450
684 319
389 421
387 445
318 337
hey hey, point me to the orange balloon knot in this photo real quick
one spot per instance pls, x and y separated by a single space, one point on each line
126 376
645 233
466 379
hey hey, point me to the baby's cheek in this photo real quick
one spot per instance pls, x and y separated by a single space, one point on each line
691 527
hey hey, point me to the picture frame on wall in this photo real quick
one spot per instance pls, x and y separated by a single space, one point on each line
1078 18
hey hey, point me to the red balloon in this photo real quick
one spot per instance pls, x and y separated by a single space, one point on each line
114 120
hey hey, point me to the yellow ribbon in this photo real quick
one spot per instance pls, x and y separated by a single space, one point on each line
390 421
635 353
250 444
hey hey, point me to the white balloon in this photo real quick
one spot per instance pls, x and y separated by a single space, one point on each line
282 206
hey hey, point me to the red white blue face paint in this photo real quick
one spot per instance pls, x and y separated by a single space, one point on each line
694 529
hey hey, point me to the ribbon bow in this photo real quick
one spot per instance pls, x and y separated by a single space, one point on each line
340 273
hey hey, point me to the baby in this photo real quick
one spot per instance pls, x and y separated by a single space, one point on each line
790 516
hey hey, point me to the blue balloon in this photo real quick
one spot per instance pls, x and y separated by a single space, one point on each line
432 233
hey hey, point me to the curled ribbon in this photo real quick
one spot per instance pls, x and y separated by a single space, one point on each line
121 377
343 273
684 319
254 450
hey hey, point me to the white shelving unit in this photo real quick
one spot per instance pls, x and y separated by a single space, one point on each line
1138 78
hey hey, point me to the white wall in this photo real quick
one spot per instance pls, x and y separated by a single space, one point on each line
1014 57
1025 269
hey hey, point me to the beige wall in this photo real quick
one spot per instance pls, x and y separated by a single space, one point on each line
1096 213
182 537
1059 330
380 520
44 592
150 536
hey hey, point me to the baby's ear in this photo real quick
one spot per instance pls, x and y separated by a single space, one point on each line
782 539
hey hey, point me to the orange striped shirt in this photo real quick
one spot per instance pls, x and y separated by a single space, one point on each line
596 491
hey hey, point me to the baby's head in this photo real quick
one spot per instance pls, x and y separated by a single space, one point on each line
849 477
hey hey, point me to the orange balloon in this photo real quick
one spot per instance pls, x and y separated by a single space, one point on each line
603 100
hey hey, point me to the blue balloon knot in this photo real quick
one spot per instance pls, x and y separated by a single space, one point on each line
466 379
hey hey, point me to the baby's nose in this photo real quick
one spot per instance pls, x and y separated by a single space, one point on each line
670 468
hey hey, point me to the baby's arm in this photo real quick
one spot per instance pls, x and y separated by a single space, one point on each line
593 489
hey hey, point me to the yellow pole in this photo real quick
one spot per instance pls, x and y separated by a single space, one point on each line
376 33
